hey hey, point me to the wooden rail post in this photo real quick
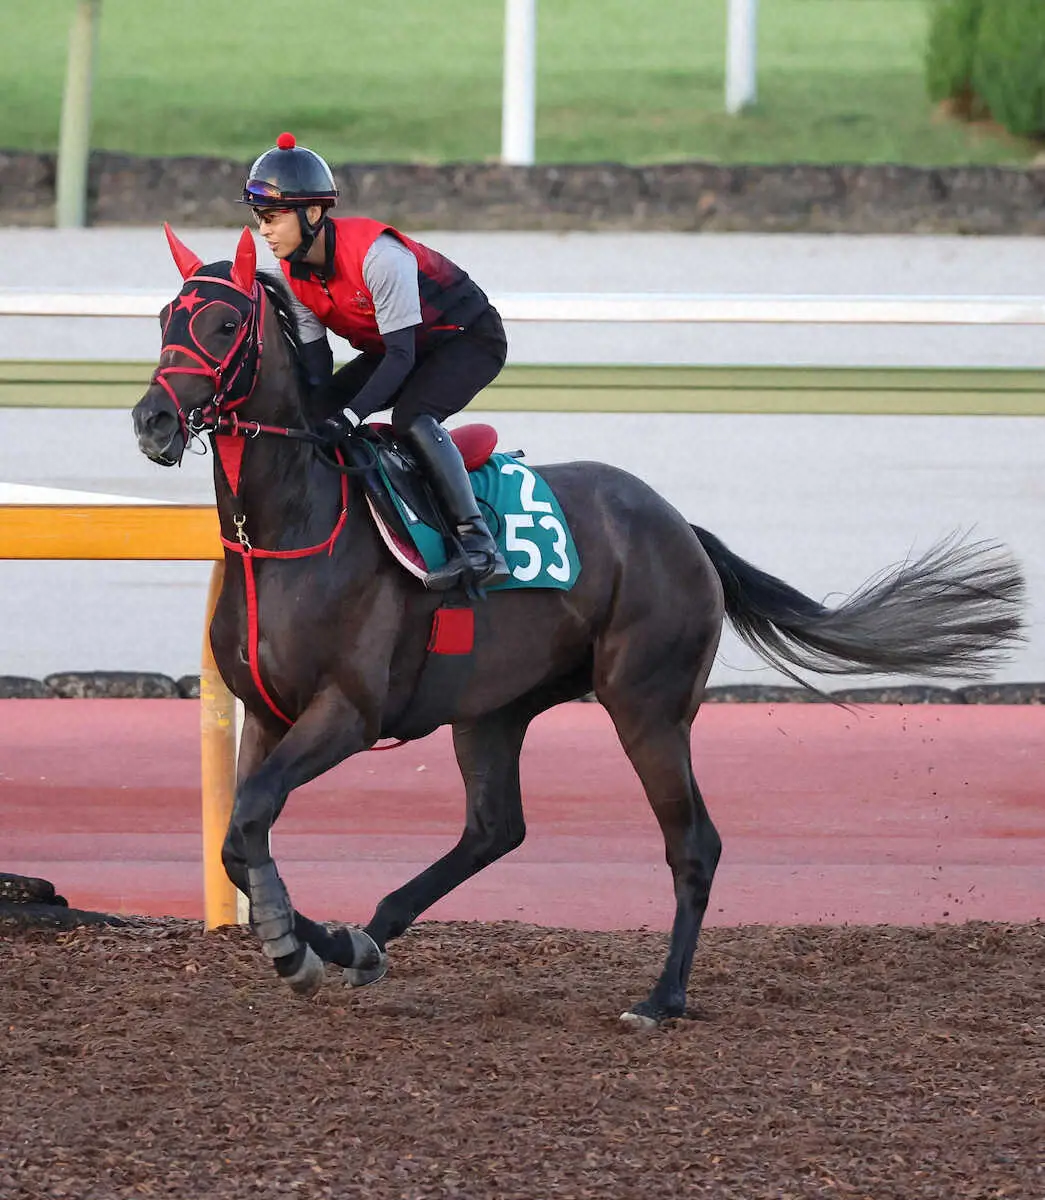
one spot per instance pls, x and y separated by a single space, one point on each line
218 766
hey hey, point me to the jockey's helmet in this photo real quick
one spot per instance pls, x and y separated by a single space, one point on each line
289 176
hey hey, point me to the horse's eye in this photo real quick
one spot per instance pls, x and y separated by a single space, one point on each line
230 327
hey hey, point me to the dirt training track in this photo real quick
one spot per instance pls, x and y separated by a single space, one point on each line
817 1059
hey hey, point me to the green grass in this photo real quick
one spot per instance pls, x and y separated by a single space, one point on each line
633 81
857 390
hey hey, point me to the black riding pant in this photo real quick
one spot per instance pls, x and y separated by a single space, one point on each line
450 375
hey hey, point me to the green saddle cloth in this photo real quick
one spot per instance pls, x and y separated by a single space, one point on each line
524 517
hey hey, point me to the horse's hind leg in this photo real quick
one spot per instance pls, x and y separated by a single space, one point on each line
652 711
692 845
487 752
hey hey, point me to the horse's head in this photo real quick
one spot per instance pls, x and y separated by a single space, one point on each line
211 351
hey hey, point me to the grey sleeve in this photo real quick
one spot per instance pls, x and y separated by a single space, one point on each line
310 326
390 272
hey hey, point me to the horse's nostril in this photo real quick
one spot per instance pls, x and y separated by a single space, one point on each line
161 422
153 417
158 428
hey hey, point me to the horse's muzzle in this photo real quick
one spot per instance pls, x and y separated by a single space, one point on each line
158 429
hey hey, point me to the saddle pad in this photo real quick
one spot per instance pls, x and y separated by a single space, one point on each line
524 517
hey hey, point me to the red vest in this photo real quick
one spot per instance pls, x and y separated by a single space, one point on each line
450 299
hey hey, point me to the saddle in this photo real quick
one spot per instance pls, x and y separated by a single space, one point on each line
519 506
381 462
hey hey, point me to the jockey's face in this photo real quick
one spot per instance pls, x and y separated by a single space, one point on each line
280 229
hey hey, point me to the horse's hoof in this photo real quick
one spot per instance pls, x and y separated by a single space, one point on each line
361 976
636 1020
366 953
350 947
308 978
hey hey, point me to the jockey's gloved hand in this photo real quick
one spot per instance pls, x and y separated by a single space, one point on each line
344 423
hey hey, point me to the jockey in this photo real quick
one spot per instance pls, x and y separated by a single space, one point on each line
429 338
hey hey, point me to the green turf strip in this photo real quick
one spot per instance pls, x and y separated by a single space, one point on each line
840 81
926 391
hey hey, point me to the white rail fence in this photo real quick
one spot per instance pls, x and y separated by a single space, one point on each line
637 308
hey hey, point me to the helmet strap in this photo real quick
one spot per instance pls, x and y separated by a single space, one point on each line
309 233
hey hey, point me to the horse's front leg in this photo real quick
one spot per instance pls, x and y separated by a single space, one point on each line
329 731
488 754
487 750
340 946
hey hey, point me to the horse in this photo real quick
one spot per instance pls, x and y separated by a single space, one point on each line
323 636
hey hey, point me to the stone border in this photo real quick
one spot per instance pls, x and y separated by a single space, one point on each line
28 902
141 685
100 685
28 889
688 196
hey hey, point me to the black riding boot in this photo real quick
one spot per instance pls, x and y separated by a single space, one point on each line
444 469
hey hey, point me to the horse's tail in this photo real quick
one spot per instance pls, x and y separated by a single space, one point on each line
956 611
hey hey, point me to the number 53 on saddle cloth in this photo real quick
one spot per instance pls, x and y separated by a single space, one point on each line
520 508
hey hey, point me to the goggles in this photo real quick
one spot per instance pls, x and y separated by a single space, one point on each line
261 190
261 214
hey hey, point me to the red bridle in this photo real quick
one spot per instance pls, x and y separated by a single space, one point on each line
235 375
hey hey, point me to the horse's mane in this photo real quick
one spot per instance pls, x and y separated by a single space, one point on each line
298 502
283 306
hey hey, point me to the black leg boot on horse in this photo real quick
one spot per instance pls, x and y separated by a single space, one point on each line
474 556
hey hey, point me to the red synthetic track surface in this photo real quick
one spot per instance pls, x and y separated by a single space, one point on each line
881 814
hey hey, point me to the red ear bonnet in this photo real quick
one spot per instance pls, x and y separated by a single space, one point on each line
246 264
187 262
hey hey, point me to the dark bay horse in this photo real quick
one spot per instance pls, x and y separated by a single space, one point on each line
330 632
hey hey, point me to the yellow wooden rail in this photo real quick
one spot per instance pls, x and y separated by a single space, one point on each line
154 532
166 532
